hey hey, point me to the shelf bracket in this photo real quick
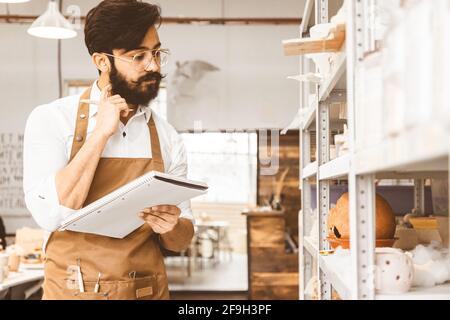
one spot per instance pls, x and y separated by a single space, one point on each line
305 260
323 190
362 236
419 196
322 11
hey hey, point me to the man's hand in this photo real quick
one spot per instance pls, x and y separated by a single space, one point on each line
109 112
162 219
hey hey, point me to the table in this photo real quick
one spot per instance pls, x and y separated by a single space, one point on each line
25 276
220 228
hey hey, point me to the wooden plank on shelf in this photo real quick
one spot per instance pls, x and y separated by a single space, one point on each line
334 42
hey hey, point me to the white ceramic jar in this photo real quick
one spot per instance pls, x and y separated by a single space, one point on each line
3 266
394 271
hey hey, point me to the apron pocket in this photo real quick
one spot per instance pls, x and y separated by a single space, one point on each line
91 296
145 288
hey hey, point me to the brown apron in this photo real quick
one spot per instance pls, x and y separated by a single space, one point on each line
132 267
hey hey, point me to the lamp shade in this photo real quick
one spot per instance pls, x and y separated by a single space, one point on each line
14 1
52 25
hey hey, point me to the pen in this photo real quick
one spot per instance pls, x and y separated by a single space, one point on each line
90 101
80 277
97 285
96 103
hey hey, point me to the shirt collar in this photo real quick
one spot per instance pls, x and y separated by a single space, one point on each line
146 111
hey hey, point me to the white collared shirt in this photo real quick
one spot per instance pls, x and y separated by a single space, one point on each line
48 142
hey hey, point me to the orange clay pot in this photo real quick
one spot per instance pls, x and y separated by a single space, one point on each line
339 226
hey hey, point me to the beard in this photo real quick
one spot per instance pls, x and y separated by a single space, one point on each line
139 92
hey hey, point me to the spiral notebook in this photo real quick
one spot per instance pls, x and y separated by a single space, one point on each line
116 214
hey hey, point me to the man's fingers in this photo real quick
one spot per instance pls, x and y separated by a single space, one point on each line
157 221
117 100
166 208
170 218
115 97
167 217
122 106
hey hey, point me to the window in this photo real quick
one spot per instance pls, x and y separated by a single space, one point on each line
227 162
74 87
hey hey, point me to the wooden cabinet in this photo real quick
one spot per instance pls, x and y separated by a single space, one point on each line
272 273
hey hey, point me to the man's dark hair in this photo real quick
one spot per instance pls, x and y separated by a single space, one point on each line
119 24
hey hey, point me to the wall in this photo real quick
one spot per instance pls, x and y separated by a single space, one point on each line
255 91
289 152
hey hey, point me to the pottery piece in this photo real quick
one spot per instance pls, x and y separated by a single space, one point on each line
394 273
321 30
338 219
14 262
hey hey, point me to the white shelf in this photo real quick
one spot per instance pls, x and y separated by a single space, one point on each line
418 150
337 168
336 272
310 115
310 170
310 246
441 292
309 6
330 83
423 148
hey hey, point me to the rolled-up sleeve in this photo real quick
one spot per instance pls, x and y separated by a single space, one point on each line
44 155
179 168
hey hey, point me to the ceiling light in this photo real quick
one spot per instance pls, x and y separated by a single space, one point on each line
52 24
13 1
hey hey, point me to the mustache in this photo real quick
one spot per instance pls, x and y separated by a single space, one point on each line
157 76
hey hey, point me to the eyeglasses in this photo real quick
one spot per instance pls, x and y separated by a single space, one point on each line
142 60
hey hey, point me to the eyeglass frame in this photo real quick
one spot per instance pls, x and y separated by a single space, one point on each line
132 59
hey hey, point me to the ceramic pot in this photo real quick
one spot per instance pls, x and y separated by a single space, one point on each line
395 271
338 219
3 266
322 30
4 257
14 262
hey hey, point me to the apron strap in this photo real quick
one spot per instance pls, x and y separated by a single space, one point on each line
81 124
155 144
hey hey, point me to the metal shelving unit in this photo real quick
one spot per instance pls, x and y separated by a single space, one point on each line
415 153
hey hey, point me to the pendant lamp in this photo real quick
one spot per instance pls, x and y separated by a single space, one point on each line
52 24
14 1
